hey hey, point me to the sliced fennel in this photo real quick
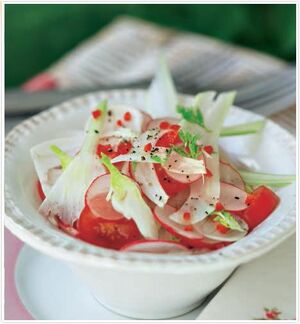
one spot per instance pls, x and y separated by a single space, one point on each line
272 180
126 198
47 164
66 198
161 98
243 129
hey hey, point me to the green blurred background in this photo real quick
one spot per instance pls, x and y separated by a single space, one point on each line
37 35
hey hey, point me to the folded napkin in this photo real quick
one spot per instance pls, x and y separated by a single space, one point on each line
125 52
264 289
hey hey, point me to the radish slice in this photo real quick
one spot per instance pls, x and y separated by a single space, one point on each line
94 196
192 238
232 198
155 246
184 178
179 199
163 217
146 177
208 228
230 175
147 120
184 165
195 206
156 122
46 162
126 169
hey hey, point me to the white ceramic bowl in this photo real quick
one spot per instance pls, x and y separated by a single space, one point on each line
136 284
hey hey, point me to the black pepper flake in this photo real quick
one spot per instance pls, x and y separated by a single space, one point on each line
109 113
187 176
133 151
211 205
206 212
110 150
160 198
143 158
195 209
175 161
182 171
96 131
236 197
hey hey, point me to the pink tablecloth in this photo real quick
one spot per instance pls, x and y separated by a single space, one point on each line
13 307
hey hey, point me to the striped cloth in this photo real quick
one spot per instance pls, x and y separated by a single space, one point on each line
126 52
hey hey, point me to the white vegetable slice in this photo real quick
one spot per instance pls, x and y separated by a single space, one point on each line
184 178
208 228
145 175
47 164
196 205
66 197
184 165
230 175
232 198
161 98
155 246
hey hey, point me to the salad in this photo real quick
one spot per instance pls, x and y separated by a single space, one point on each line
133 181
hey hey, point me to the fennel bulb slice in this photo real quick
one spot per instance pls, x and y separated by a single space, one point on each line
66 197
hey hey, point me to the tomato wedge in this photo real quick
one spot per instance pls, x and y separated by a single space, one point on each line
109 234
262 203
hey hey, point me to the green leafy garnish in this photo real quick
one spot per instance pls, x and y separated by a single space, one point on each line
64 158
190 142
192 115
158 159
227 220
179 150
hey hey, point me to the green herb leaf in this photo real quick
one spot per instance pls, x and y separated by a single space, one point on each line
227 220
179 150
158 159
192 115
64 158
190 141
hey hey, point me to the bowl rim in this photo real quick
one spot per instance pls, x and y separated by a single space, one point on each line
76 251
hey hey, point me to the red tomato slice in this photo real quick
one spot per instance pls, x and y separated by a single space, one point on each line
262 203
109 234
169 139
